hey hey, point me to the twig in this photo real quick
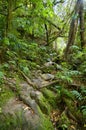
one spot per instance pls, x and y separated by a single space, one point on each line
26 78
49 84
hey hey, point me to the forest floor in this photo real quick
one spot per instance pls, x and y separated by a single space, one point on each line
41 97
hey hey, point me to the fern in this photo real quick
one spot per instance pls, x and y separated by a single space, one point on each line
74 73
83 91
83 110
77 95
64 92
67 75
1 77
67 94
64 76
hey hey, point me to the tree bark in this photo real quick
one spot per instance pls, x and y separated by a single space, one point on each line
47 36
73 27
9 16
82 28
72 34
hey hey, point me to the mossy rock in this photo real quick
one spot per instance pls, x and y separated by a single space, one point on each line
50 97
45 122
22 120
5 94
43 104
48 69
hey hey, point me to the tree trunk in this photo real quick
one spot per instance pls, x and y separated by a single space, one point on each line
72 34
73 27
82 28
9 16
47 36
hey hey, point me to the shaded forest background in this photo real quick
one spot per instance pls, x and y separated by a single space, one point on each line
47 39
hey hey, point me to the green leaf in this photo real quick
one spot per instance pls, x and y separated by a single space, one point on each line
6 41
1 74
26 70
0 110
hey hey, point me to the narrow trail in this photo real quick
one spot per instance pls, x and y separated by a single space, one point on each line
36 101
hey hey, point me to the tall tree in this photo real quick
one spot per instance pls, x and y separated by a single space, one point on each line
82 24
78 16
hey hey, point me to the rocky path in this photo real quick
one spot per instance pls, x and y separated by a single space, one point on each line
34 105
29 103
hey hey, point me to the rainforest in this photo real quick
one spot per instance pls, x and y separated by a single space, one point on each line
42 64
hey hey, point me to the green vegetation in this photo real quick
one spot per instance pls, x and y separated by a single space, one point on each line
42 65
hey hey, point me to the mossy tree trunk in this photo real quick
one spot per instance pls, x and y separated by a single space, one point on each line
9 16
78 16
82 28
47 36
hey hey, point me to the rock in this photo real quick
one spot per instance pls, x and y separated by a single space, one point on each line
59 67
16 116
37 82
33 95
26 110
47 76
50 63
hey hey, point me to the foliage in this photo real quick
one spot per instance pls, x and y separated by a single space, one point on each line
44 104
67 75
81 98
27 31
78 58
1 77
5 95
50 96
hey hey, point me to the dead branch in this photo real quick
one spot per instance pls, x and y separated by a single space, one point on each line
26 78
49 84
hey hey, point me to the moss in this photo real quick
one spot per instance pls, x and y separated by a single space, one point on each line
12 122
48 69
5 95
45 123
44 104
50 97
64 122
47 101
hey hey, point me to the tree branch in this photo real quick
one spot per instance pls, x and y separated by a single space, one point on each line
57 2
51 23
3 13
49 84
17 8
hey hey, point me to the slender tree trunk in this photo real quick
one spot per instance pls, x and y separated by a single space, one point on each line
9 17
72 34
82 28
47 36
